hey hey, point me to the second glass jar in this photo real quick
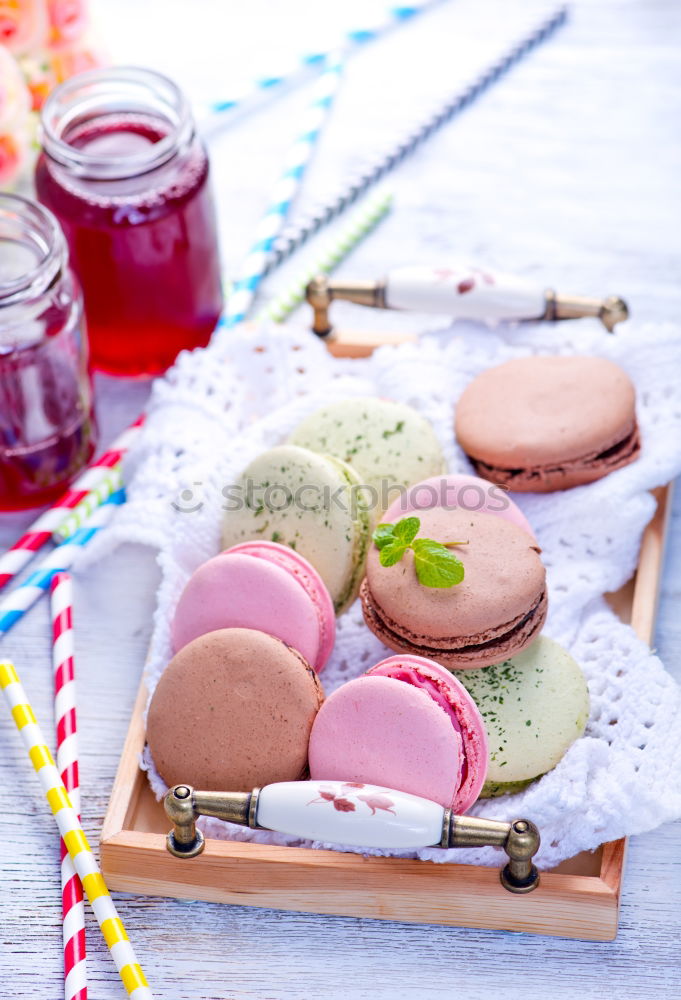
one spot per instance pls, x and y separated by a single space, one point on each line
126 175
47 425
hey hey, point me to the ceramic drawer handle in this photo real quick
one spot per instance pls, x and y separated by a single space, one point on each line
353 814
348 813
462 291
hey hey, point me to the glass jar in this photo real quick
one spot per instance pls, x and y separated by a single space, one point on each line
47 426
126 175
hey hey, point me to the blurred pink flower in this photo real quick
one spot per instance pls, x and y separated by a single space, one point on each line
42 44
45 69
14 150
15 99
39 75
67 62
68 21
23 24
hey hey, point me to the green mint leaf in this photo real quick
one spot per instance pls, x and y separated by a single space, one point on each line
435 565
391 554
383 535
407 529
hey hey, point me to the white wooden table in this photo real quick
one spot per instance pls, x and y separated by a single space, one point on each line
567 170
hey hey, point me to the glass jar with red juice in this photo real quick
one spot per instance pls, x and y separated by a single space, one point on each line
125 173
47 428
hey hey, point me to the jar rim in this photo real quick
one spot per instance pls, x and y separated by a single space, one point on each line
39 227
106 91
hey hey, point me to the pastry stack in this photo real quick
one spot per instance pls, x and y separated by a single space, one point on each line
475 700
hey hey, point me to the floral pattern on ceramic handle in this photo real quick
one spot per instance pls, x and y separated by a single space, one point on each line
351 813
464 292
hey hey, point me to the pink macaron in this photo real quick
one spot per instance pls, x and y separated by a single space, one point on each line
458 491
406 724
262 586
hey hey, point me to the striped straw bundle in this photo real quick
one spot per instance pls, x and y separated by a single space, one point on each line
40 532
17 603
296 235
73 910
362 222
266 86
111 483
245 287
83 859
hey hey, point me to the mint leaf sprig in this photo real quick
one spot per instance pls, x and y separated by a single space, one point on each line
435 565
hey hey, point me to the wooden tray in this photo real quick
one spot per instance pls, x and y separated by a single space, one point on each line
578 899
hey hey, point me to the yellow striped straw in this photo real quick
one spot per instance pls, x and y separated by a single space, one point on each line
69 826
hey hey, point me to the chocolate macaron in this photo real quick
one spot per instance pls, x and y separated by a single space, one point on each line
541 423
233 711
496 611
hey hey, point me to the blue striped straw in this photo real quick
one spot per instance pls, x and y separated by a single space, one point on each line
286 189
17 603
268 86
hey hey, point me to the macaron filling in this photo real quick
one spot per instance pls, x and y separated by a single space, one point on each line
619 454
451 696
511 633
411 676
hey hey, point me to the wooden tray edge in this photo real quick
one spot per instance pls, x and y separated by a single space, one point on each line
570 906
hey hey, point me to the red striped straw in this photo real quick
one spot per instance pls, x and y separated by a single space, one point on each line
40 532
73 909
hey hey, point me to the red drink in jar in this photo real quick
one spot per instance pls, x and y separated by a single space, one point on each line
47 428
128 179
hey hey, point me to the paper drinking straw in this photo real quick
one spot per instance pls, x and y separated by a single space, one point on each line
296 235
268 86
71 830
300 154
40 532
363 221
73 910
111 483
17 603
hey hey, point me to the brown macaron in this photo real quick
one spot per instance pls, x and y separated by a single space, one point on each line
233 711
545 423
497 610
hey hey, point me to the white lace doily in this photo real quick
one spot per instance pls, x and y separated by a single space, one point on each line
217 408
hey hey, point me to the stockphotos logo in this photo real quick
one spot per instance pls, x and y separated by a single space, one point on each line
276 498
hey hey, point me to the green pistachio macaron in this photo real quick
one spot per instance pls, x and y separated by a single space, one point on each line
534 706
311 502
389 445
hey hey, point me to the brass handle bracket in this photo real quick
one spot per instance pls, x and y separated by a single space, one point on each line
320 293
183 805
610 310
519 838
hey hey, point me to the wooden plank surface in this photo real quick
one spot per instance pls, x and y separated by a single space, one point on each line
568 172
